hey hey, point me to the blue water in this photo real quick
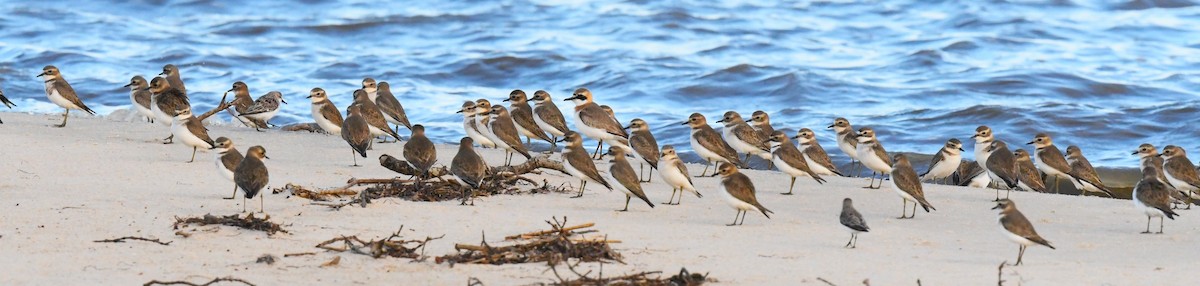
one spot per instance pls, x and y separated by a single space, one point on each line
1104 75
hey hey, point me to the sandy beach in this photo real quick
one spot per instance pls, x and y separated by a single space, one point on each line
104 178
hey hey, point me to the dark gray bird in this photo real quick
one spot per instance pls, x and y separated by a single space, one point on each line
762 122
1029 179
847 140
1086 179
171 72
374 117
577 162
1002 165
191 132
644 145
906 184
60 92
548 117
1180 172
419 151
1017 228
739 192
814 154
625 180
324 112
1050 160
945 162
139 96
227 160
469 167
708 143
356 132
388 104
6 103
853 221
789 160
502 127
242 103
522 117
1153 198
165 101
251 175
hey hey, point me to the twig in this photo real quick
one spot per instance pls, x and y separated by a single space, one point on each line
826 281
219 107
545 232
122 239
299 254
215 280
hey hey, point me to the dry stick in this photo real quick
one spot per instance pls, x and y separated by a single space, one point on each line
215 280
826 281
121 240
220 107
545 232
299 254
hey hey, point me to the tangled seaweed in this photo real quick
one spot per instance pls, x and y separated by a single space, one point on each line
249 222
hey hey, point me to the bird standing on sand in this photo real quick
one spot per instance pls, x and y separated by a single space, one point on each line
324 112
1002 165
593 121
762 122
1153 198
171 73
738 191
370 112
506 137
847 140
1086 179
853 221
191 132
469 167
548 117
392 111
945 162
139 96
1017 228
1028 177
420 152
60 92
470 128
164 101
242 103
1180 172
983 139
356 132
578 163
872 155
6 103
708 143
674 172
522 117
624 179
227 160
1150 158
264 108
743 138
251 175
814 154
906 184
1050 160
483 120
644 145
789 160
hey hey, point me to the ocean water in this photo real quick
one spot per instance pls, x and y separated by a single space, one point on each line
1104 75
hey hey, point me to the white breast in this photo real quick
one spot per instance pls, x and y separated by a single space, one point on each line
868 158
1149 211
546 126
944 168
184 135
592 132
224 172
469 127
846 147
704 152
673 176
734 202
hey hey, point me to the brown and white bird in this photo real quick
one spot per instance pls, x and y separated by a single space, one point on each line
872 155
472 129
191 132
906 184
814 154
548 117
762 122
505 134
60 92
789 160
577 162
483 120
356 131
622 178
1050 159
743 138
1017 228
369 86
853 221
1150 158
375 119
644 145
227 159
392 111
171 73
139 97
1153 198
522 117
1028 176
1180 172
847 140
264 109
242 101
1002 165
595 123
469 168
324 112
5 101
708 143
675 173
945 162
251 175
1086 179
164 101
739 192
419 151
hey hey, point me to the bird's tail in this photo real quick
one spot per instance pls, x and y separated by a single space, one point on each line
645 199
360 148
925 204
764 210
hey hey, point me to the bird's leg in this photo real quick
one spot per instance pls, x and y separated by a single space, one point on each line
914 211
855 237
1055 184
553 144
64 123
243 204
735 217
626 204
903 209
792 187
705 172
673 190
1160 224
599 144
234 192
641 172
852 162
744 212
650 177
354 156
260 202
1020 255
848 242
1147 225
582 186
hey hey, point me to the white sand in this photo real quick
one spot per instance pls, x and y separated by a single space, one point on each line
100 179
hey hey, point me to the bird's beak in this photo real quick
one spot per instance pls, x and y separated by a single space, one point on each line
460 111
561 140
961 149
1162 155
684 123
627 127
997 206
721 121
830 126
714 174
265 157
127 85
795 137
231 89
507 99
974 136
284 101
573 98
1030 143
41 74
1134 153
163 73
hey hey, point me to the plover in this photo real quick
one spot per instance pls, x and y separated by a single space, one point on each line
814 154
847 140
356 131
1180 172
675 173
469 167
595 123
1002 165
708 143
377 124
60 92
1086 179
242 103
139 97
789 160
227 159
164 101
505 134
548 117
906 184
578 163
369 86
738 191
853 221
483 119
171 73
190 131
743 138
522 115
264 108
1150 158
1153 198
983 139
251 175
1017 228
5 101
644 145
1050 159
762 122
969 174
945 162
624 179
872 155
470 128
324 112
419 151
1028 176
388 104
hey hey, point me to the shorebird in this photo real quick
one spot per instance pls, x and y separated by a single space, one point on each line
251 175
227 159
1017 228
164 101
762 122
505 134
790 160
595 123
139 96
675 174
171 73
814 154
1001 164
1153 198
473 130
578 163
390 107
522 117
469 167
1028 177
377 124
1086 179
969 174
983 139
264 108
872 155
708 144
420 152
644 145
60 92
369 86
5 101
738 191
548 117
906 184
1050 160
356 132
324 112
625 180
743 138
242 103
945 162
1150 158
483 120
190 131
1180 172
853 221
847 140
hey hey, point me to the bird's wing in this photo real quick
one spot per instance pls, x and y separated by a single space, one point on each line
141 97
552 116
1017 224
196 127
1154 194
937 158
64 89
882 154
646 146
747 134
595 117
852 219
1053 158
330 112
683 170
523 117
231 159
818 155
1182 169
507 132
391 107
580 160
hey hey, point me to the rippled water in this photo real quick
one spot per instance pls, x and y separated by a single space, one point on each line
1105 75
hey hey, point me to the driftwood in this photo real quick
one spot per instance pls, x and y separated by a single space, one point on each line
554 245
249 222
319 195
122 239
641 278
310 127
299 254
215 280
392 246
219 107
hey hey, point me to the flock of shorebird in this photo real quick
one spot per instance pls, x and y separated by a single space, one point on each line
1168 178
